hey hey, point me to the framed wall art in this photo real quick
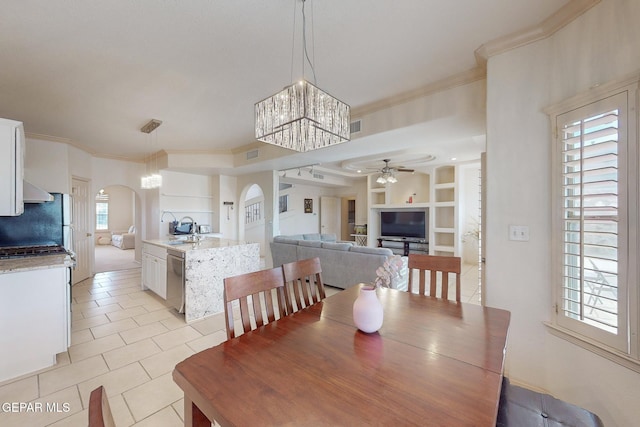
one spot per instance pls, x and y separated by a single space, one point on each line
308 205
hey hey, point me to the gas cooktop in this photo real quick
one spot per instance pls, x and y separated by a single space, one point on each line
30 251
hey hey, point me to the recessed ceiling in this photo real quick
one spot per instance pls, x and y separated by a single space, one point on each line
94 73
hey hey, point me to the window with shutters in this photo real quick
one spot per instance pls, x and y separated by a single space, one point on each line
595 167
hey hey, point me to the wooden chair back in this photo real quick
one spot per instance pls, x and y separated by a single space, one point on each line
435 264
252 290
304 285
99 410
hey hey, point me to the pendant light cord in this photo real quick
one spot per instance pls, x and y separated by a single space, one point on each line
304 43
305 52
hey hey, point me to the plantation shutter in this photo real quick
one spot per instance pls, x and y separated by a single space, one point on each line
593 151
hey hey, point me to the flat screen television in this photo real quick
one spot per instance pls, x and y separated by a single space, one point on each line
403 224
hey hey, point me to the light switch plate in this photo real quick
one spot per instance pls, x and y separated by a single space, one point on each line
519 233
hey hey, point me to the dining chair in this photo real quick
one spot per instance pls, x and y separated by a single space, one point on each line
99 410
252 290
435 264
304 278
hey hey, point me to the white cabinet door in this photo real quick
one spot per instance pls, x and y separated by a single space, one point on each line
33 320
11 167
161 277
154 270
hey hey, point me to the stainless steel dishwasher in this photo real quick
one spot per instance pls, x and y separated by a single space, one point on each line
175 279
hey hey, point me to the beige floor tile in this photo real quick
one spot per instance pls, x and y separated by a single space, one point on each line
208 341
155 305
165 361
58 379
133 302
81 324
127 313
143 332
131 353
174 322
85 305
104 309
121 414
152 396
124 291
78 419
97 346
115 382
54 407
176 337
210 324
144 294
113 327
179 408
82 336
154 316
90 297
23 390
108 300
76 315
167 417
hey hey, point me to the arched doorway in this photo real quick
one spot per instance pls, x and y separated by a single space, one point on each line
116 229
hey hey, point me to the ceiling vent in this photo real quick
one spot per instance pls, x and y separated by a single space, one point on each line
253 154
318 176
356 126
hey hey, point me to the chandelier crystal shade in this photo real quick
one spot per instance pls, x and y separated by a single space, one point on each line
302 117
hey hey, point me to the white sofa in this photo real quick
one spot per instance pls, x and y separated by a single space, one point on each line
124 240
343 263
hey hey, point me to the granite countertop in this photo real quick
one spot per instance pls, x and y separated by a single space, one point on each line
206 243
14 265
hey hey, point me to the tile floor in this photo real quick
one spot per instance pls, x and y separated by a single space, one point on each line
129 341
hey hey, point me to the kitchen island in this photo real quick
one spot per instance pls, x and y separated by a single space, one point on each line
34 313
206 264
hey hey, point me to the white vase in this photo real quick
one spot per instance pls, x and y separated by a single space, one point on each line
367 310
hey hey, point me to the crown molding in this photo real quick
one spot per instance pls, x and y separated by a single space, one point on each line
565 15
460 79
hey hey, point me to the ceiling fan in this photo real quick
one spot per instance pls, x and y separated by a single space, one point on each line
387 173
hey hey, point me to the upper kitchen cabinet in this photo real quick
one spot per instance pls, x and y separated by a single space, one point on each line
11 167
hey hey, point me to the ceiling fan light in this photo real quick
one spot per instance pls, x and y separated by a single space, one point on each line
381 180
392 179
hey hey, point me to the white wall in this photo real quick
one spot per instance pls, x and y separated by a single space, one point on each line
46 164
602 45
295 221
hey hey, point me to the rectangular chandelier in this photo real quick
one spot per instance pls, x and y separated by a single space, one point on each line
302 117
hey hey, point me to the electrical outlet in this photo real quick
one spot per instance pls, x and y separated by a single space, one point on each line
519 233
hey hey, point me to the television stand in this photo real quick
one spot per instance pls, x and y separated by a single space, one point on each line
404 245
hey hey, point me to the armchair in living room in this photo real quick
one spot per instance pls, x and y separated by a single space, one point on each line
124 240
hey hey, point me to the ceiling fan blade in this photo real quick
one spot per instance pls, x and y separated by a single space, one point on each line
405 170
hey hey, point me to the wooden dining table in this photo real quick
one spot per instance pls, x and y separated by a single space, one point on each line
433 363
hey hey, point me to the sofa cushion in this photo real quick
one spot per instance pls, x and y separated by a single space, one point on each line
310 243
311 236
368 250
285 239
328 237
337 246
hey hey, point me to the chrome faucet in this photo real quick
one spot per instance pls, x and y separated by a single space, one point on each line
194 227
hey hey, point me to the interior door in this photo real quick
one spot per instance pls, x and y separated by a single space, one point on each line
82 230
330 221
